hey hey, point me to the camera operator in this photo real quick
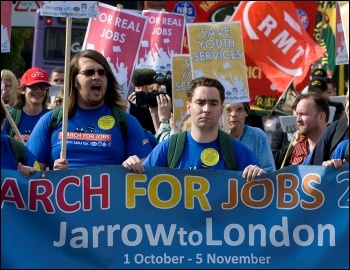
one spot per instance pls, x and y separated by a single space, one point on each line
165 116
152 91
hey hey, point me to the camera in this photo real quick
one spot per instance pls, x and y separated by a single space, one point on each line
150 98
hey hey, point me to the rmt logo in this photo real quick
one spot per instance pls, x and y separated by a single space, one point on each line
38 74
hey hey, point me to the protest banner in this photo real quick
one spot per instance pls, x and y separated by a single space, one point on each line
216 51
6 17
181 78
163 38
342 33
70 9
325 35
276 41
263 94
109 217
116 33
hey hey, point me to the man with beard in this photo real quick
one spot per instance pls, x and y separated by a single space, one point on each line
93 136
312 113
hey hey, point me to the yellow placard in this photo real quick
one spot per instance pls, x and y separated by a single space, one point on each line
216 51
181 78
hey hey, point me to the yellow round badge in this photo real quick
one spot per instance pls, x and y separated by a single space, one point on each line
36 166
209 157
106 122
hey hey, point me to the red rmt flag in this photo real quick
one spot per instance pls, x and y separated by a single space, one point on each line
276 41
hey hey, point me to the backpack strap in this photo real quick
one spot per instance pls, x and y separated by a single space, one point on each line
226 147
346 154
56 118
176 146
120 119
16 116
18 150
177 142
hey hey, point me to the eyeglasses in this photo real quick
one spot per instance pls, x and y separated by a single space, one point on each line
58 80
238 110
91 72
38 86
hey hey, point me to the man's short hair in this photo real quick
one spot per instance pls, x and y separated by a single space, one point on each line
321 102
57 70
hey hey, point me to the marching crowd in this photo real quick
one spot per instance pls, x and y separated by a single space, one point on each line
103 128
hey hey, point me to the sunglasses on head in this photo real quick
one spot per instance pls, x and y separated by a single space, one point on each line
91 72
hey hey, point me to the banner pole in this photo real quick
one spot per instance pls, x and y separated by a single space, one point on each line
66 88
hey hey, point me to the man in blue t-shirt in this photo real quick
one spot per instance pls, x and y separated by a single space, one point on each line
93 137
201 150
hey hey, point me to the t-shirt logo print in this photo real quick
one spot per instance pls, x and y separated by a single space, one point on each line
37 74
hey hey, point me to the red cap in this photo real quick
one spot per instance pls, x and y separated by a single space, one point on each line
35 75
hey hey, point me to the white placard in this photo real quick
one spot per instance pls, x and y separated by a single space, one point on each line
289 123
73 9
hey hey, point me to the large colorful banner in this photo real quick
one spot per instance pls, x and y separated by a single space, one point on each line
216 51
117 33
263 94
162 39
6 16
325 34
108 217
277 42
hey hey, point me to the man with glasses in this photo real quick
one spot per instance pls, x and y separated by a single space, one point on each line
93 136
30 102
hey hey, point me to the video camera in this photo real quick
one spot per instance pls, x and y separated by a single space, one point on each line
150 98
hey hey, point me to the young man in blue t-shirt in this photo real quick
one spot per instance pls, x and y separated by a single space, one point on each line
201 150
93 137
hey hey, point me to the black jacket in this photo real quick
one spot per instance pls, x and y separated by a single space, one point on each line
279 145
339 109
328 141
143 115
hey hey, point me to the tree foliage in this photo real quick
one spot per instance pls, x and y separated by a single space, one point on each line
14 60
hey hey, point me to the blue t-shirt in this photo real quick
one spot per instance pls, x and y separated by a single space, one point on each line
257 141
26 124
93 139
339 151
191 155
152 139
8 160
307 159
